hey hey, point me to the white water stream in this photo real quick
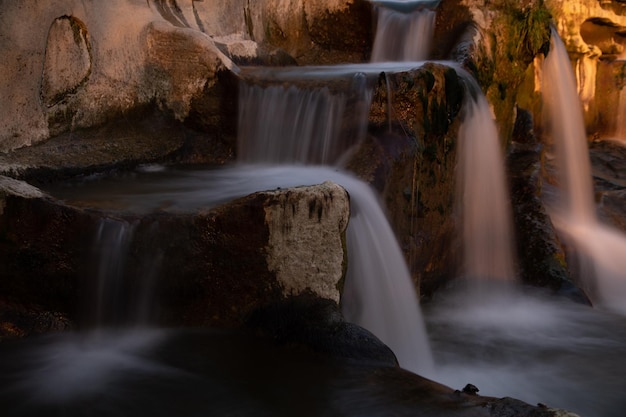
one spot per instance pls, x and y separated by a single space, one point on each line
601 250
529 347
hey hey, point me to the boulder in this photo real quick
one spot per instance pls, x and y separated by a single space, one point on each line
209 267
364 376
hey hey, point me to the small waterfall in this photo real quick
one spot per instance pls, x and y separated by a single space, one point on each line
404 31
599 248
117 299
482 195
306 123
568 132
111 245
287 124
379 294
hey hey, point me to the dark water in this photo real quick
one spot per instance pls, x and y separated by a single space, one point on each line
533 347
159 373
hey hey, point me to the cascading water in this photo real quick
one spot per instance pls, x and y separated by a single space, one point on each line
110 249
378 293
574 214
482 196
404 31
282 125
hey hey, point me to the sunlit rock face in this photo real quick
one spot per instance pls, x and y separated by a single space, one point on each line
78 64
593 32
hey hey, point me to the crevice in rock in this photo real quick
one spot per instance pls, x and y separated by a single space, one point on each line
607 35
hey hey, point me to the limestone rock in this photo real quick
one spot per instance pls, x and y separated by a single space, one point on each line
303 225
79 65
67 62
218 264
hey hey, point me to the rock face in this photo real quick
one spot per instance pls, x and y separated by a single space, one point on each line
67 62
410 159
221 263
73 70
593 33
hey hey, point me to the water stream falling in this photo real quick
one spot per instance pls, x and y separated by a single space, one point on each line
530 347
600 248
377 272
483 197
404 31
110 249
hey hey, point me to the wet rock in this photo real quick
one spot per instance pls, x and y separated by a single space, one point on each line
221 263
470 389
608 161
148 136
510 407
542 260
19 321
308 321
410 159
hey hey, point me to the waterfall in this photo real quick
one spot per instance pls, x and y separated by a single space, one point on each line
404 31
482 196
110 249
115 298
568 132
287 124
599 248
305 123
379 294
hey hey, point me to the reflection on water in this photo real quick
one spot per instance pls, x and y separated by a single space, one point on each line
530 346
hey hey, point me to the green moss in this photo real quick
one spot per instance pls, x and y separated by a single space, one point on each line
528 29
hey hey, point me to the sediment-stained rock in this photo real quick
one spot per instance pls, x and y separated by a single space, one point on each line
220 263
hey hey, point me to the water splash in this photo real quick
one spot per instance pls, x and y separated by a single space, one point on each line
600 247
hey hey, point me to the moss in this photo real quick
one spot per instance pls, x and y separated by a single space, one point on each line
527 27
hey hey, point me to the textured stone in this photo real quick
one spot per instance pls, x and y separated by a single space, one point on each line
303 225
410 159
74 71
221 263
67 62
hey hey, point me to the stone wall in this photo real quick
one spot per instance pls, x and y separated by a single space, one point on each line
77 64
